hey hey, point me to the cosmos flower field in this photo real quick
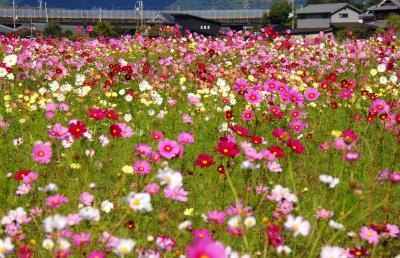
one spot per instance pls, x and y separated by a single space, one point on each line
246 145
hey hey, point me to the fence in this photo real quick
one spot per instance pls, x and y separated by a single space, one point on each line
24 12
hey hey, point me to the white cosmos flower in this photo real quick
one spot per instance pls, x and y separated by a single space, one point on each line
3 72
48 244
297 225
336 225
6 246
54 223
124 246
10 60
107 206
234 221
383 80
184 225
139 202
169 177
333 252
89 213
283 250
249 165
250 222
381 68
63 244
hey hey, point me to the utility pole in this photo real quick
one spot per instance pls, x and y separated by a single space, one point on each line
100 14
14 14
293 13
139 7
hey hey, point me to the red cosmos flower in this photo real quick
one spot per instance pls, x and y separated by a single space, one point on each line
24 252
349 136
277 151
21 174
228 114
204 160
296 146
257 139
77 129
227 148
358 252
221 169
115 131
281 134
334 105
111 114
240 130
97 114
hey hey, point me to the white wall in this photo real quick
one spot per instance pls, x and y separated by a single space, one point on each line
352 16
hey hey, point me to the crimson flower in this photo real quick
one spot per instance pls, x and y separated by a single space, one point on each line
277 151
77 129
204 160
296 146
21 174
115 131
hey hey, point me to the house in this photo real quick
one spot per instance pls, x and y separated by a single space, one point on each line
6 30
383 10
325 17
188 22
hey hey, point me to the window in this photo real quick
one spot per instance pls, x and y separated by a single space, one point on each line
325 15
380 16
343 15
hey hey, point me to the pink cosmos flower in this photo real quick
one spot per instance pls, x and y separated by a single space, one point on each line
143 150
157 136
369 235
81 239
253 97
142 167
126 130
176 193
206 248
324 214
165 243
216 216
297 125
248 115
152 189
30 177
86 198
185 138
58 131
240 85
201 234
168 148
187 119
311 94
24 189
50 106
56 200
42 152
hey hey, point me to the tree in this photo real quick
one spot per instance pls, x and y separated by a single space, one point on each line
393 22
279 12
103 28
53 29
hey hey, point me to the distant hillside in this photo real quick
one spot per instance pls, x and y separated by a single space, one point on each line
148 4
220 4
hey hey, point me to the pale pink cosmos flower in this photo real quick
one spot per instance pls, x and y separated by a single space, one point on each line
176 193
168 148
369 235
86 198
185 138
142 167
55 201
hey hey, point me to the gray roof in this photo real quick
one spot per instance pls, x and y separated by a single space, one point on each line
382 6
4 29
325 8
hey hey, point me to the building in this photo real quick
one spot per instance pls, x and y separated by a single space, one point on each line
188 22
383 10
326 17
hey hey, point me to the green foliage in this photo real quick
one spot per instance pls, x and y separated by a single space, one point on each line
53 29
105 29
279 12
393 21
154 31
358 33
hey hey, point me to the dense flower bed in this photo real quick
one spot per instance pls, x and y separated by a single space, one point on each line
247 145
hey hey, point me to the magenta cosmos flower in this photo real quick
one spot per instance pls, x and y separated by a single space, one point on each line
142 167
126 130
253 97
168 148
56 200
311 94
96 254
248 115
206 248
42 152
